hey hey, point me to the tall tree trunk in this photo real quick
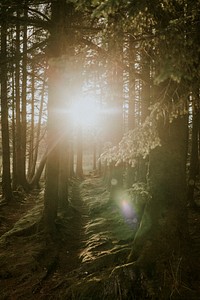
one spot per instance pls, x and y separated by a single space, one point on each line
94 156
6 176
32 129
145 95
163 228
17 106
14 175
71 160
63 175
131 102
115 82
131 172
57 48
115 49
23 180
36 178
99 159
79 164
194 157
37 139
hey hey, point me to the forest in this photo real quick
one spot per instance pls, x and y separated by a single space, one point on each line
100 149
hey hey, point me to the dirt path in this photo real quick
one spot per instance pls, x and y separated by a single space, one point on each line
92 241
101 242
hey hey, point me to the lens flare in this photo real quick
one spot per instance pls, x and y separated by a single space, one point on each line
128 212
127 209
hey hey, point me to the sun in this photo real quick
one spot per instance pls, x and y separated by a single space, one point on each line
84 112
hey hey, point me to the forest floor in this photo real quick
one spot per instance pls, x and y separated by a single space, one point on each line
83 262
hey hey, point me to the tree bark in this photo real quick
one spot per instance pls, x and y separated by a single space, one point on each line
94 156
32 127
63 175
23 180
194 157
57 48
36 178
14 175
131 173
71 160
131 101
163 228
115 82
17 106
79 164
37 139
6 176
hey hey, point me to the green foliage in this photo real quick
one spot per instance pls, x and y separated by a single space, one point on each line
177 43
139 193
105 7
138 143
135 143
27 224
173 27
170 110
107 222
139 189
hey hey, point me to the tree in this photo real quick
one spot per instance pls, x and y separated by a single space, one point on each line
194 159
163 228
6 176
56 48
79 162
18 180
60 51
34 147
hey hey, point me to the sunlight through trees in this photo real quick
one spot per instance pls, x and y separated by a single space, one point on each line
108 89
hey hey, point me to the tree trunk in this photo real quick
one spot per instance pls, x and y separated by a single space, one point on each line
17 106
145 95
116 83
57 48
37 139
115 48
99 159
6 177
194 157
94 156
23 180
14 175
131 172
32 129
79 164
163 228
63 175
71 160
36 178
131 101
